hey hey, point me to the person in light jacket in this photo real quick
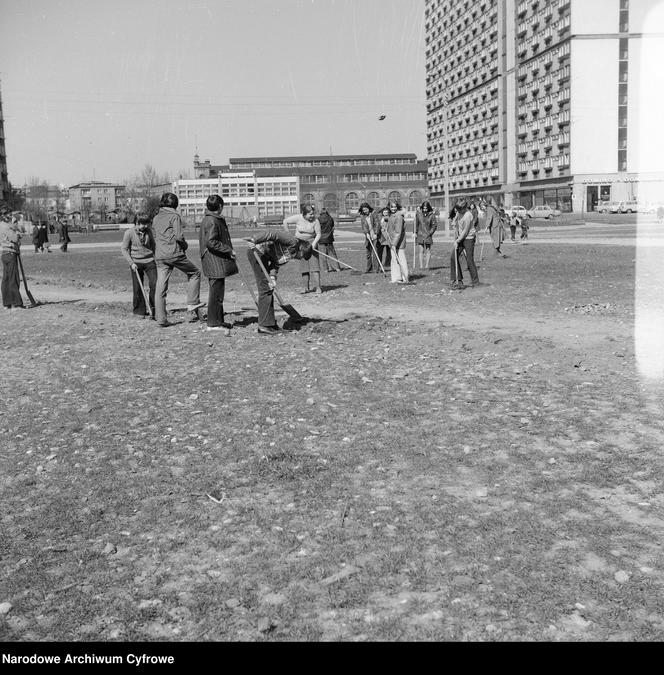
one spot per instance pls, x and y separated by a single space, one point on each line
307 228
396 236
494 226
10 245
217 261
170 254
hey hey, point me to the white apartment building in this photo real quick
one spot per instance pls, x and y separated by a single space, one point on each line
541 101
245 194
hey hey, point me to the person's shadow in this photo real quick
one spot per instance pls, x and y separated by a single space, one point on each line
333 288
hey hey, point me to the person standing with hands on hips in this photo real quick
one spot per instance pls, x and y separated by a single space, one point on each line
217 261
170 254
307 228
138 251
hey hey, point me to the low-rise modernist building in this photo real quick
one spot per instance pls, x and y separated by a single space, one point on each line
96 197
246 195
537 101
340 183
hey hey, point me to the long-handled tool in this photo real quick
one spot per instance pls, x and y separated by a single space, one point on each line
146 297
482 249
289 309
414 240
456 261
244 281
340 262
375 252
33 302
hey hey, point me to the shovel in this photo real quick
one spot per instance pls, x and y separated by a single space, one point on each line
33 302
289 309
340 262
145 295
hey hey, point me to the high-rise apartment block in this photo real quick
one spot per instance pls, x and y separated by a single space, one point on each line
537 101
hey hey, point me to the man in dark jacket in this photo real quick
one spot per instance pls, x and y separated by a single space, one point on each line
326 241
217 261
274 248
65 240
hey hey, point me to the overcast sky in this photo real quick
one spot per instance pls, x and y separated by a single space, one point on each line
99 89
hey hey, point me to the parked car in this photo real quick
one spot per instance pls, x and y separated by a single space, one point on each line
517 210
629 207
543 211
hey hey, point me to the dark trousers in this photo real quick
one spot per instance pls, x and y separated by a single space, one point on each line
372 263
215 316
328 264
384 253
11 294
468 246
513 231
146 272
265 296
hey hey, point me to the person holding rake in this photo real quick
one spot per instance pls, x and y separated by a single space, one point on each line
464 242
396 236
138 250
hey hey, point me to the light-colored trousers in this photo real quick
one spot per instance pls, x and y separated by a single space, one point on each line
399 271
164 270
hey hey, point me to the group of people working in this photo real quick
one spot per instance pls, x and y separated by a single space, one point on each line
155 247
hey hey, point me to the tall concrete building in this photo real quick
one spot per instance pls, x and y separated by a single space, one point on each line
4 179
537 101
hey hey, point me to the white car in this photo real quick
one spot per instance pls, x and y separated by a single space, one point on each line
519 211
543 211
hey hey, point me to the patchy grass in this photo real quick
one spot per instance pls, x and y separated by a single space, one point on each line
415 464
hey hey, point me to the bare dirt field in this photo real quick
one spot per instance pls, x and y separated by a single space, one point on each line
412 464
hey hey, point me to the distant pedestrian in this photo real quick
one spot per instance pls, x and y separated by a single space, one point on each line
10 245
43 237
464 242
495 227
660 213
65 240
36 239
138 250
217 261
326 241
524 229
170 254
307 228
425 227
514 222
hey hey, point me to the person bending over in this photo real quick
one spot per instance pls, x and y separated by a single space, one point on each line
274 248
